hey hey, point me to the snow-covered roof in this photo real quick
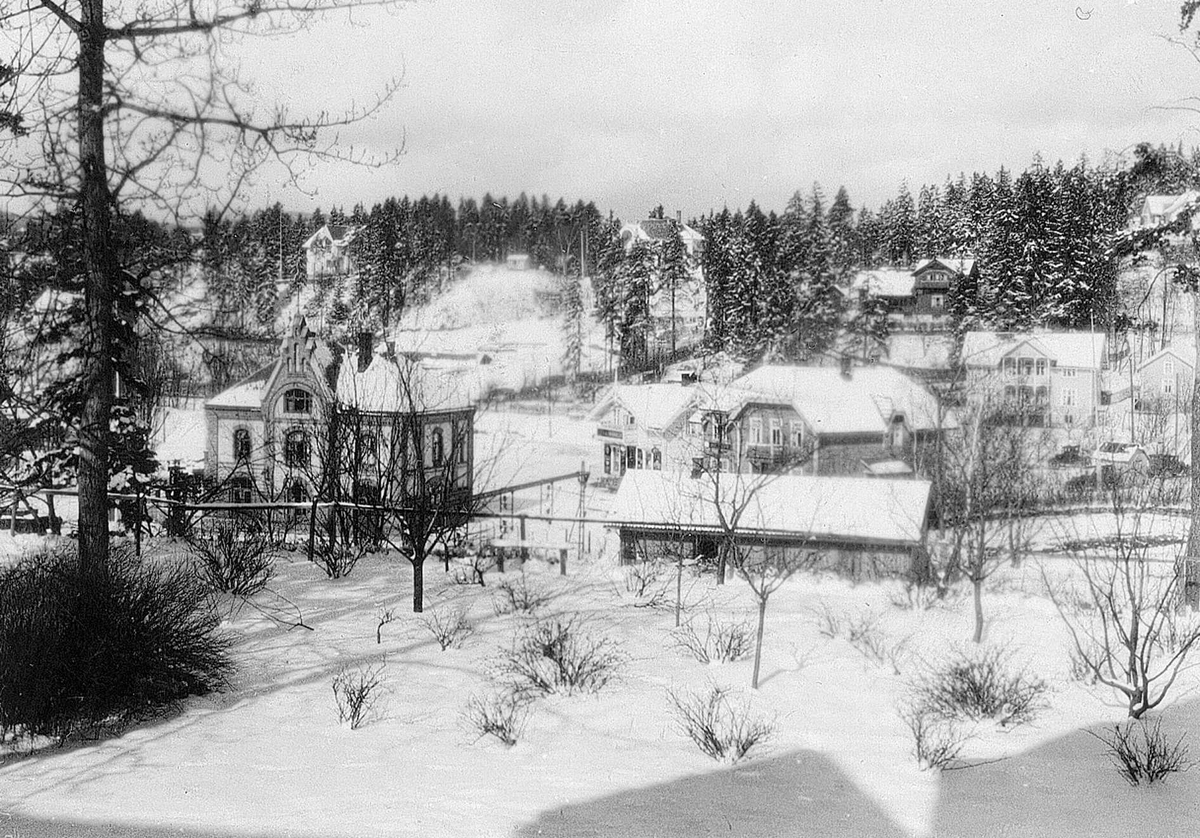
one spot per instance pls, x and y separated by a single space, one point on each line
1182 352
1084 350
853 509
918 350
951 263
653 406
658 229
1163 209
247 393
339 234
398 385
830 402
884 282
1119 453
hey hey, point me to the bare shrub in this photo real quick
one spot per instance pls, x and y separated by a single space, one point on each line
501 714
337 557
721 728
236 556
875 646
557 655
830 623
385 616
722 641
472 573
915 596
518 596
449 628
356 692
1146 755
644 584
982 686
937 741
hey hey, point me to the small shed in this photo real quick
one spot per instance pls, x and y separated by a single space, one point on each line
1120 460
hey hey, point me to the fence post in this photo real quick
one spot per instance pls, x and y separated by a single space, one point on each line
12 518
524 549
562 562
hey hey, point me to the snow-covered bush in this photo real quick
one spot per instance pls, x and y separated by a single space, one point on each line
86 650
500 714
980 686
356 691
1147 755
721 728
236 556
723 641
450 628
937 741
558 654
518 596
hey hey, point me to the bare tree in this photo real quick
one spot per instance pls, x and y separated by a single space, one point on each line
108 106
1122 609
988 485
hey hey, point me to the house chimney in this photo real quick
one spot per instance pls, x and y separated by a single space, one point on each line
366 348
847 363
679 217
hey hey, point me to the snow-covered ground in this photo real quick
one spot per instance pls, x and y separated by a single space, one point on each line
269 756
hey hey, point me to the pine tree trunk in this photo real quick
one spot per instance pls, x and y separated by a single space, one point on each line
977 587
762 620
101 274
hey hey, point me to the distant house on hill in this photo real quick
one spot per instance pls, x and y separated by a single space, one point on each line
1052 379
916 299
678 314
328 250
1158 210
1165 379
266 435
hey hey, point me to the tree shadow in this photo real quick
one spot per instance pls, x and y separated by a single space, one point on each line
1068 786
796 793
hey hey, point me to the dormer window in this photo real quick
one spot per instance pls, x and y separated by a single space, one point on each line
297 401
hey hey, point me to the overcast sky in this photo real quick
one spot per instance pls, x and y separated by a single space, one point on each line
701 104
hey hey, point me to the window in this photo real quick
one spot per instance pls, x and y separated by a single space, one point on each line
296 493
1041 366
437 446
656 459
1067 399
797 429
368 448
1026 366
1042 395
756 431
1010 393
461 443
297 401
1168 386
776 432
1010 366
241 489
1025 395
898 432
1067 372
937 301
295 449
241 445
630 457
1168 367
641 458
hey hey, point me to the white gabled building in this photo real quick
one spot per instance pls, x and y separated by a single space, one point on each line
645 427
328 250
1050 378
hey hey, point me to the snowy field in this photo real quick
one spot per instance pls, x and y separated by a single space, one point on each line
269 757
